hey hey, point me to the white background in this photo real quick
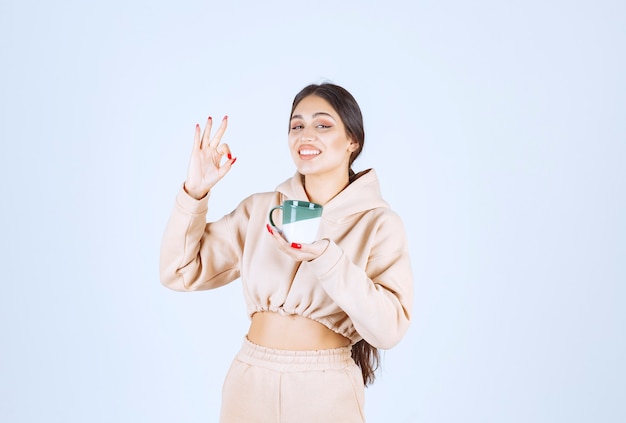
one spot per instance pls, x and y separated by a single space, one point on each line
497 129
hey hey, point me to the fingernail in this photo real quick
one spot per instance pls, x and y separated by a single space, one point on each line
269 229
210 118
197 126
230 156
296 245
233 162
226 117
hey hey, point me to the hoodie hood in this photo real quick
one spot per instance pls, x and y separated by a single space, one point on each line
361 195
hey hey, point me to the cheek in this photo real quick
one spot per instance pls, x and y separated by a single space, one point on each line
293 136
291 145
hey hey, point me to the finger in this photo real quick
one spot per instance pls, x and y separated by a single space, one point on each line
207 132
224 150
225 168
276 234
271 229
297 252
196 137
220 131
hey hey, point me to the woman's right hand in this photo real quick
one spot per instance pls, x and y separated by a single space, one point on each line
206 167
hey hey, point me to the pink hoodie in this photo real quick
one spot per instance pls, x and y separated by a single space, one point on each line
360 287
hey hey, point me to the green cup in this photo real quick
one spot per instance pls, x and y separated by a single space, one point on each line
301 220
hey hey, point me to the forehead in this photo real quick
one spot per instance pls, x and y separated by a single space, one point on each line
313 104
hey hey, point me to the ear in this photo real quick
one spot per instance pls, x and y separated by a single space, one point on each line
353 146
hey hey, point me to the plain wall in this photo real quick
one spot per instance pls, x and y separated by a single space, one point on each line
498 132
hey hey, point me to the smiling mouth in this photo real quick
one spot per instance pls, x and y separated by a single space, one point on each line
308 152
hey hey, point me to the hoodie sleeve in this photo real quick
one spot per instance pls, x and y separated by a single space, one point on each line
196 255
378 298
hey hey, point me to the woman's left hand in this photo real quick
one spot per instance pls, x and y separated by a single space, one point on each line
298 252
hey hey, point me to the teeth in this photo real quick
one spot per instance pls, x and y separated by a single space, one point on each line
309 152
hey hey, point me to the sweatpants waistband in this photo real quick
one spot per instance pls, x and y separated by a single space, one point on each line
288 360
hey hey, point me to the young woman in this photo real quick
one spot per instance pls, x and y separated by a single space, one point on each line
318 311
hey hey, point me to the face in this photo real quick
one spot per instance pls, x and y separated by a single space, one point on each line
318 141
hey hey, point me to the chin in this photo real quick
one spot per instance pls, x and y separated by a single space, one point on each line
305 169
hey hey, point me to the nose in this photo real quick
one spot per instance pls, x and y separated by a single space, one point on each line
307 134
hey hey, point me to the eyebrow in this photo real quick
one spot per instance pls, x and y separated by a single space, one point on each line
314 115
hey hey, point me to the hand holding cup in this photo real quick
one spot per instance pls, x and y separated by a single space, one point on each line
300 221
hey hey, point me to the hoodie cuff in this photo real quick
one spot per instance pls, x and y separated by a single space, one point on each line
325 263
189 204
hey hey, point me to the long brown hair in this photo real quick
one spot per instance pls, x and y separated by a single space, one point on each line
364 355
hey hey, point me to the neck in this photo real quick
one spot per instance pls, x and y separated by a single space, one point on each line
322 188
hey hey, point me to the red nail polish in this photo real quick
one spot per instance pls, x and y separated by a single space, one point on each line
230 156
296 246
233 162
210 118
269 229
197 126
226 117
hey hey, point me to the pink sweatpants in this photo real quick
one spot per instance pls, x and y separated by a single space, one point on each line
276 386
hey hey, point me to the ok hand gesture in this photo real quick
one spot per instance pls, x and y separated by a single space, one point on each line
206 167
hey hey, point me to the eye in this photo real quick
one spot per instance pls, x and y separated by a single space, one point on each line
323 125
296 124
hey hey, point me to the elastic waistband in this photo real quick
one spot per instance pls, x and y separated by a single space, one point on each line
287 360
